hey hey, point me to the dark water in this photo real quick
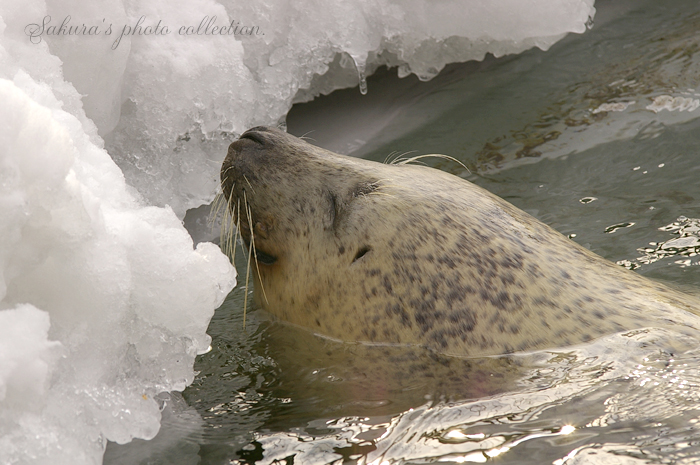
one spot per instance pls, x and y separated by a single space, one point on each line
600 138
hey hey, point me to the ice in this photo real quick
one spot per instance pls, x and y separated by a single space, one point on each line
104 300
167 105
26 356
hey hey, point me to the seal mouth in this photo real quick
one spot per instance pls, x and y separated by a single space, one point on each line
247 235
263 258
237 172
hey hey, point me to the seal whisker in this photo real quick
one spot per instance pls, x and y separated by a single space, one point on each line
381 184
304 136
398 160
406 161
247 278
219 202
218 205
215 209
233 237
255 252
224 174
226 228
379 193
388 160
251 186
247 270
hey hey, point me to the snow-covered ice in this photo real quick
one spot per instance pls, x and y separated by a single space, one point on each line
104 301
167 105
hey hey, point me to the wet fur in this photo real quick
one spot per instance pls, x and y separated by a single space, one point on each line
411 255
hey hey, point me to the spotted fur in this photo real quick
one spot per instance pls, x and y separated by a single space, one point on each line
407 254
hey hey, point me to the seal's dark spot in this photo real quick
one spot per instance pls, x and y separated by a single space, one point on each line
454 296
448 261
387 284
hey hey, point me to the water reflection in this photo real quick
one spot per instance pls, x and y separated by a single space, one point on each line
686 244
620 386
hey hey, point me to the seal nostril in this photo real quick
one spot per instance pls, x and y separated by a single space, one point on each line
254 136
361 253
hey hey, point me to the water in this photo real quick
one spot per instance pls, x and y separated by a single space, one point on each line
624 184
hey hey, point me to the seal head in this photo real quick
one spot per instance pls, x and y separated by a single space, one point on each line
363 251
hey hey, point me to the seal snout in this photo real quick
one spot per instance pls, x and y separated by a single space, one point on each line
244 154
251 148
246 165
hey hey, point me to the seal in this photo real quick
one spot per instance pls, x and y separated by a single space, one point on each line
405 254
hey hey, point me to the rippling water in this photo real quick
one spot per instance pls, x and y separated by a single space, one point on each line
598 137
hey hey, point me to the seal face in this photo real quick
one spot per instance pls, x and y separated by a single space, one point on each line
362 251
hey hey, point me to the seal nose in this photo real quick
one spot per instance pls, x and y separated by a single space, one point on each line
249 152
244 154
253 140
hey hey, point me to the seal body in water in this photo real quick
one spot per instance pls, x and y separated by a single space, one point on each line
363 251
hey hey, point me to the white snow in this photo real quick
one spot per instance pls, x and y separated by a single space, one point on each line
104 301
168 105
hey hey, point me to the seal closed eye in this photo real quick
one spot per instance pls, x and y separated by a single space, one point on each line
361 253
450 267
334 209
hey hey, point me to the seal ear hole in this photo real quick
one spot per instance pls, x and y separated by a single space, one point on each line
361 253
